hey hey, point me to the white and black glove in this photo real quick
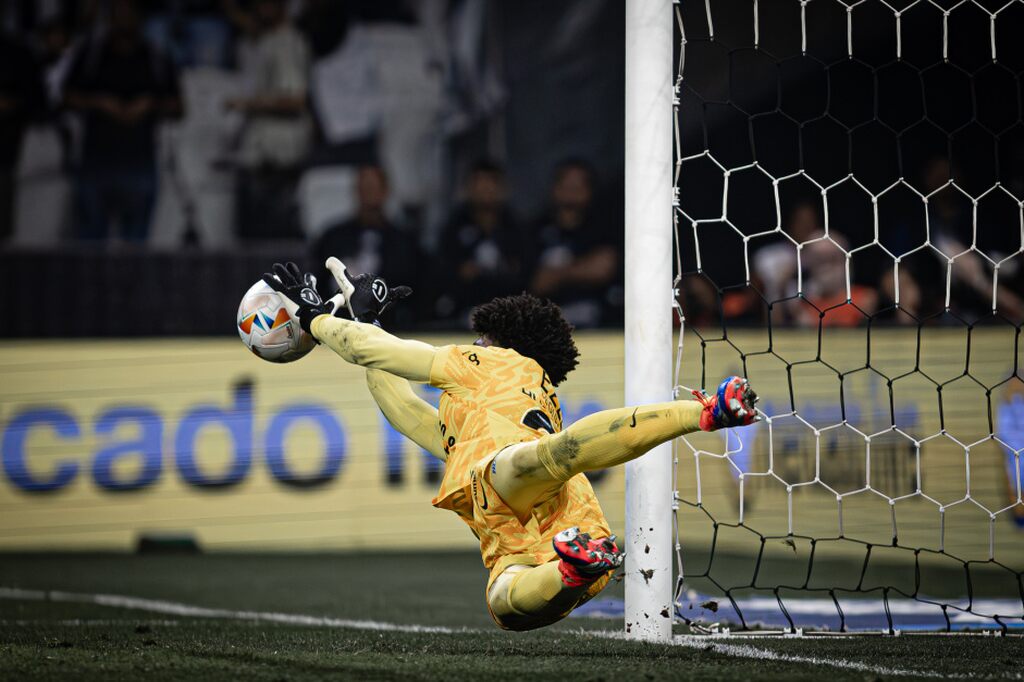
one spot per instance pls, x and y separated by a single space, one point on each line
298 291
366 295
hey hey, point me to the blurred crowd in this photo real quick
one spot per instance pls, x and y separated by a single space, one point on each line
571 253
329 124
309 121
849 275
260 91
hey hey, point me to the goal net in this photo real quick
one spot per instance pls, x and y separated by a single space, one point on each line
849 178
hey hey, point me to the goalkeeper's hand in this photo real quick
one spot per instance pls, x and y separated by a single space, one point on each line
731 405
365 295
298 292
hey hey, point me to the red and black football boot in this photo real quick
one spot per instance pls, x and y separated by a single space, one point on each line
584 560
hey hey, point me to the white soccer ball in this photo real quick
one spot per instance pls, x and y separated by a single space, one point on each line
266 328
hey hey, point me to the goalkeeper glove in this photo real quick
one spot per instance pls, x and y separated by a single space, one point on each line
365 295
298 292
731 405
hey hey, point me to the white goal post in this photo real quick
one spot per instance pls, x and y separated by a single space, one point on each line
648 314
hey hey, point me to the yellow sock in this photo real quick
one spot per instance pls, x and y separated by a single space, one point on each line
611 437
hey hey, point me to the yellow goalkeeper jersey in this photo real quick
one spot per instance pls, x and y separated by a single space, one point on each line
493 397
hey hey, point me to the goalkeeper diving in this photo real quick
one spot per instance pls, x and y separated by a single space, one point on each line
513 474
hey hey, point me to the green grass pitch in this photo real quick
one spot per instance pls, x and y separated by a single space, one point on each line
61 639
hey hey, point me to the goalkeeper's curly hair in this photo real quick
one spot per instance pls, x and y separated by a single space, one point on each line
532 327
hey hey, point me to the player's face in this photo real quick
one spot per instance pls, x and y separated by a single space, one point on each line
371 188
486 190
804 223
572 190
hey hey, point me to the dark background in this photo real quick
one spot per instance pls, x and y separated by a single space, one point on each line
561 66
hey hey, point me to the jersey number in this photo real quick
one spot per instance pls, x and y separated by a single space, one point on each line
536 419
449 443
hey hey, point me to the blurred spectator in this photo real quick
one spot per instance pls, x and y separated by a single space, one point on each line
195 33
951 222
54 38
575 258
480 249
122 87
278 128
948 218
368 242
699 300
911 297
775 263
824 273
385 84
825 285
744 305
21 98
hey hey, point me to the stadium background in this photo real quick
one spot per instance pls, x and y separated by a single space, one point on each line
129 411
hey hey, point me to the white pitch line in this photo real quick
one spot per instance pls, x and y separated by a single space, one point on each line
192 611
705 643
746 651
92 622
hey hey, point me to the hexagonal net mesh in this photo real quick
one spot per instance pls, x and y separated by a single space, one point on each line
850 237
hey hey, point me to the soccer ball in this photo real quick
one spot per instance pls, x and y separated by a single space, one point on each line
266 328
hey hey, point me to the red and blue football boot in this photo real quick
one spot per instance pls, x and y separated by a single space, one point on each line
731 405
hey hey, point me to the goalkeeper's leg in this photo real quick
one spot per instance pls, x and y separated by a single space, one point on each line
526 473
529 597
523 598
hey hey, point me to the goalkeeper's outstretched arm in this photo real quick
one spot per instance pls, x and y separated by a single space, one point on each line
413 417
389 362
370 346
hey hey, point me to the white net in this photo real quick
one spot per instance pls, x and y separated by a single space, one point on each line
850 237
